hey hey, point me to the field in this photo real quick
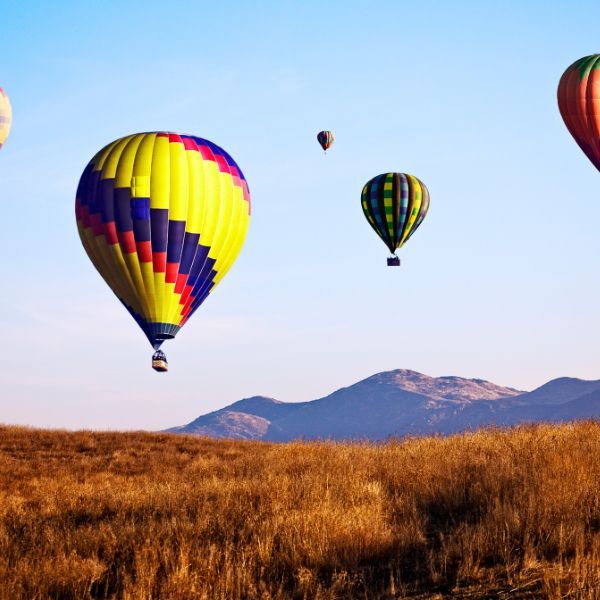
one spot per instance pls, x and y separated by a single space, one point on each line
491 514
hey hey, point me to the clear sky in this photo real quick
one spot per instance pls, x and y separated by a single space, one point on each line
500 282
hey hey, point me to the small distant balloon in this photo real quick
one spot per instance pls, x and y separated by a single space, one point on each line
579 104
5 117
325 138
395 204
162 217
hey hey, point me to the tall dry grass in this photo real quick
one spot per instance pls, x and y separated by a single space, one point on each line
512 514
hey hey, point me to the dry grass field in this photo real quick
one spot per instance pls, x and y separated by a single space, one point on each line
493 514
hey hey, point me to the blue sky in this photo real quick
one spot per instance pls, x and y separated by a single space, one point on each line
500 282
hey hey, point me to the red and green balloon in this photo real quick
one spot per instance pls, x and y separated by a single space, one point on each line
579 104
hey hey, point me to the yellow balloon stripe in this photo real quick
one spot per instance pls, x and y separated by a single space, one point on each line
235 236
195 212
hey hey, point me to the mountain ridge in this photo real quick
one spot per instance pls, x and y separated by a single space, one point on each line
398 403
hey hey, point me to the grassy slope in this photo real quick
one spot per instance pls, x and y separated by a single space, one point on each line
134 515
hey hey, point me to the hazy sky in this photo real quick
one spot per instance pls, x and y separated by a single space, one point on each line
500 282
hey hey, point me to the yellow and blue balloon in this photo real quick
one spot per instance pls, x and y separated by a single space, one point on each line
162 217
395 205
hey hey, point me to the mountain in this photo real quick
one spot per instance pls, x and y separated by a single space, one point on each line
560 390
399 403
248 419
561 399
391 403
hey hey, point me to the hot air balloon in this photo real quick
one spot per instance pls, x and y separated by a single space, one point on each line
5 117
162 217
325 138
579 104
395 204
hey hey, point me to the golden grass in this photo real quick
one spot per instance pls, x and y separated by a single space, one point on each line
496 514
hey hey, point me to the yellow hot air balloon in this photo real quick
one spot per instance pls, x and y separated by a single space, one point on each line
5 117
162 217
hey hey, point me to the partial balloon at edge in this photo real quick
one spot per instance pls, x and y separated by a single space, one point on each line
578 97
5 117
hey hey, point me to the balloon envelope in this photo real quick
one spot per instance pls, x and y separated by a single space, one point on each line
579 104
5 117
395 204
162 217
325 138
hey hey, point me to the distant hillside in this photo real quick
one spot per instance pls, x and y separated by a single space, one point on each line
248 419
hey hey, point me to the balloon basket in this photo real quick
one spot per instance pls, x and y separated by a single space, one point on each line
393 261
159 362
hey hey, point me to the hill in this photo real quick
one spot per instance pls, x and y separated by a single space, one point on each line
399 403
491 514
